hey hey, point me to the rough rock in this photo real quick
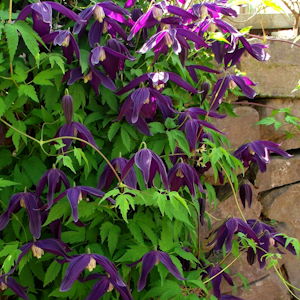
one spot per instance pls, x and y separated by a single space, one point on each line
280 171
279 136
278 76
241 129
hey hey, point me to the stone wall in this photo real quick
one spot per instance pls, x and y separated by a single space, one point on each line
277 191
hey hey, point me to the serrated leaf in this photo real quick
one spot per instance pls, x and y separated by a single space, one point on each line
58 60
113 238
52 272
12 37
125 138
57 211
44 77
29 91
123 205
113 129
67 162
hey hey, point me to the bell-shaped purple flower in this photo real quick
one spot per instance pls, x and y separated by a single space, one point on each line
215 10
258 152
66 40
183 174
216 279
112 57
31 203
149 163
67 106
74 129
76 194
9 282
245 192
119 164
78 263
94 76
42 15
53 179
152 258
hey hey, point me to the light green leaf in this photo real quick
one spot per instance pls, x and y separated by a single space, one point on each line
52 272
6 183
29 91
12 37
58 60
44 77
123 204
67 162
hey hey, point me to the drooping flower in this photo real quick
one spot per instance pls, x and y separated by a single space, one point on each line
152 258
9 282
119 164
31 203
245 192
53 179
217 273
258 152
112 57
149 163
215 10
66 40
76 194
183 174
74 129
94 76
67 106
78 263
42 15
191 69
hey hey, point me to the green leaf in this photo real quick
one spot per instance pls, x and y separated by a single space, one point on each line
52 272
123 204
177 138
10 260
44 77
125 138
113 238
113 129
58 60
67 162
3 107
29 91
16 137
12 37
6 183
156 127
57 211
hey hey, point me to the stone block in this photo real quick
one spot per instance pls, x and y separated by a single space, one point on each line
278 76
279 136
280 171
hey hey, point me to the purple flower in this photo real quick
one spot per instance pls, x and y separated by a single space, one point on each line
215 10
112 57
66 40
42 15
76 194
67 106
172 37
75 129
217 278
107 284
80 262
119 164
258 152
231 81
53 178
107 16
149 163
226 232
31 203
9 282
245 192
94 76
183 174
152 258
191 69
129 3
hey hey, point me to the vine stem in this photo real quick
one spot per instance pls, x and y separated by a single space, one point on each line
234 192
42 142
10 11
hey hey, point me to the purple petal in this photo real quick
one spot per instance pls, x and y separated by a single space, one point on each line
13 206
53 246
73 195
138 97
15 287
135 82
35 223
243 83
245 192
167 262
178 80
95 33
219 91
99 289
148 262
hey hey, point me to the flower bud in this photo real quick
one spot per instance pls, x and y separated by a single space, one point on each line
37 251
99 13
67 105
92 264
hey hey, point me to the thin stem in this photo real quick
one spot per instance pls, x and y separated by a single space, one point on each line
10 11
274 39
233 191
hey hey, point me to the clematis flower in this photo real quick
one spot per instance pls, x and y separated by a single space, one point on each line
258 152
152 258
231 81
191 69
107 16
226 232
119 164
66 40
53 178
149 163
112 57
245 192
31 203
42 15
107 284
76 194
213 273
172 37
9 282
183 174
67 106
94 76
214 10
80 262
75 129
